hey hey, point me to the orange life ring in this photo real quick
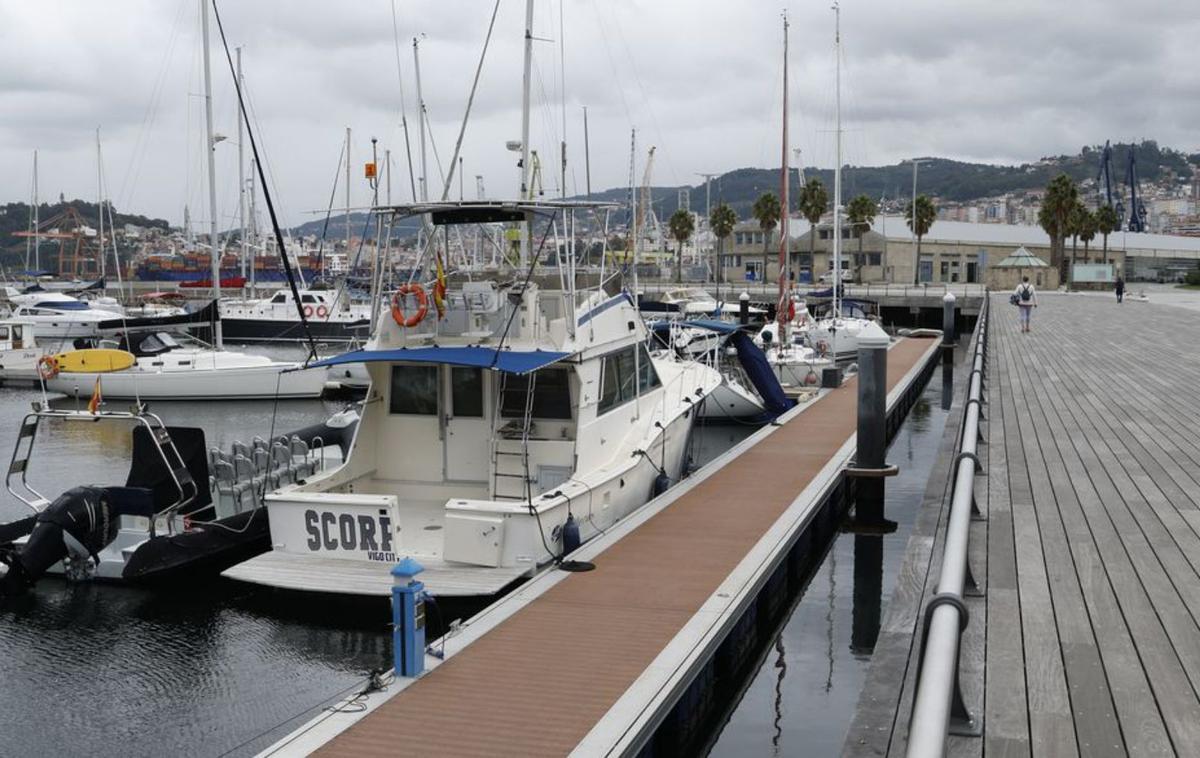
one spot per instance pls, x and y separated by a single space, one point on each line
398 314
308 311
322 311
47 367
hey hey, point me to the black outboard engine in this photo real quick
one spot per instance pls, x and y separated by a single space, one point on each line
75 527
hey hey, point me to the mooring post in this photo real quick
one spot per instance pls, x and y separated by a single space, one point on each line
408 619
869 465
744 308
949 325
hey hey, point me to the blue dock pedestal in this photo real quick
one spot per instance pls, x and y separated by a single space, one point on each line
408 618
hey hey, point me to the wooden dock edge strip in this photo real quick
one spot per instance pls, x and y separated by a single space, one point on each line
334 720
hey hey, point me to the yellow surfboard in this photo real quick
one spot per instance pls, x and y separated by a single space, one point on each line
94 360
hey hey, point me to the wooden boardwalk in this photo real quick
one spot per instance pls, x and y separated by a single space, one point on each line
1085 640
541 680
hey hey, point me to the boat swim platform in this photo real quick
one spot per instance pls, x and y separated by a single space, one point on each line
288 571
1082 638
595 663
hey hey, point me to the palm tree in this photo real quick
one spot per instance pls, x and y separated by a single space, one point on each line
1107 222
1061 194
1088 226
682 224
813 202
1075 221
861 213
721 219
919 222
766 212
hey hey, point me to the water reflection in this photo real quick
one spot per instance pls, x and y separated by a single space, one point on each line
868 593
830 633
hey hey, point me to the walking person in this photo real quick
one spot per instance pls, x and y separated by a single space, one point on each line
1025 296
1120 289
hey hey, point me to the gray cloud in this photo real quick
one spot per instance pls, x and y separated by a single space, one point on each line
700 80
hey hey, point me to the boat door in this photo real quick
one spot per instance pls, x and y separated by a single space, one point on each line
467 433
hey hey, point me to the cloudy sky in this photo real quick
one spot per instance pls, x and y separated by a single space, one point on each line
700 79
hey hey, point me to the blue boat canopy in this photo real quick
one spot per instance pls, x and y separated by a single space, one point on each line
508 361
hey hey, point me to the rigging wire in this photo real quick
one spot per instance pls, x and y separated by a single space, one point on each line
403 106
287 264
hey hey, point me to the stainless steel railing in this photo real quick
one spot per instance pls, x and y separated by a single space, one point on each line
938 707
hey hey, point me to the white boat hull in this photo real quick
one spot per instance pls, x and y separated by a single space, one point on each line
731 401
250 383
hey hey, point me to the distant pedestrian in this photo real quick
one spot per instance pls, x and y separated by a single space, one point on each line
1120 289
1025 296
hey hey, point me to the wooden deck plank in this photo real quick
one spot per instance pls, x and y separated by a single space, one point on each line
539 681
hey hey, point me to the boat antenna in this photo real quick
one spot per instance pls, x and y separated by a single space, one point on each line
287 265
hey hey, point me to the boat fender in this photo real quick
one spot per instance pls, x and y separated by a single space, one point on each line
570 535
47 367
398 313
661 483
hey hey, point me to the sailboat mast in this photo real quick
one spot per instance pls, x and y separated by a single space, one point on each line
837 169
781 310
99 207
421 119
526 77
241 178
347 192
37 224
212 171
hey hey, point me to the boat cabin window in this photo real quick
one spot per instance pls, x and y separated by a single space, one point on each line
647 375
414 390
280 298
466 392
18 334
307 299
4 333
618 379
152 344
551 394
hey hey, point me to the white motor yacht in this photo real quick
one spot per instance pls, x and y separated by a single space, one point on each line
172 366
696 302
330 316
19 352
494 439
56 315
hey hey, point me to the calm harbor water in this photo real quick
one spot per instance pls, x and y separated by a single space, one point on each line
803 696
225 669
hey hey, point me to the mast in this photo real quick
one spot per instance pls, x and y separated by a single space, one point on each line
633 214
212 172
37 225
525 85
253 226
100 207
347 192
587 156
241 159
837 169
421 119
781 310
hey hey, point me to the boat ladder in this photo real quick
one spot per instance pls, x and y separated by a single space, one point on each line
502 438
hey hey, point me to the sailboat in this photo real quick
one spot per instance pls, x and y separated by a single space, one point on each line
837 331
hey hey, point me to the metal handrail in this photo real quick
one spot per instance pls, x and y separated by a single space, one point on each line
937 704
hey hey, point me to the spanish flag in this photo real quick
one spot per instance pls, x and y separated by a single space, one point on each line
439 288
97 398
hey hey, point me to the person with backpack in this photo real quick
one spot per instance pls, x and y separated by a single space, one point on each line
1025 297
1120 289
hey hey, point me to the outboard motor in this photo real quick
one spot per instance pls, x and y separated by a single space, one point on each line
75 527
